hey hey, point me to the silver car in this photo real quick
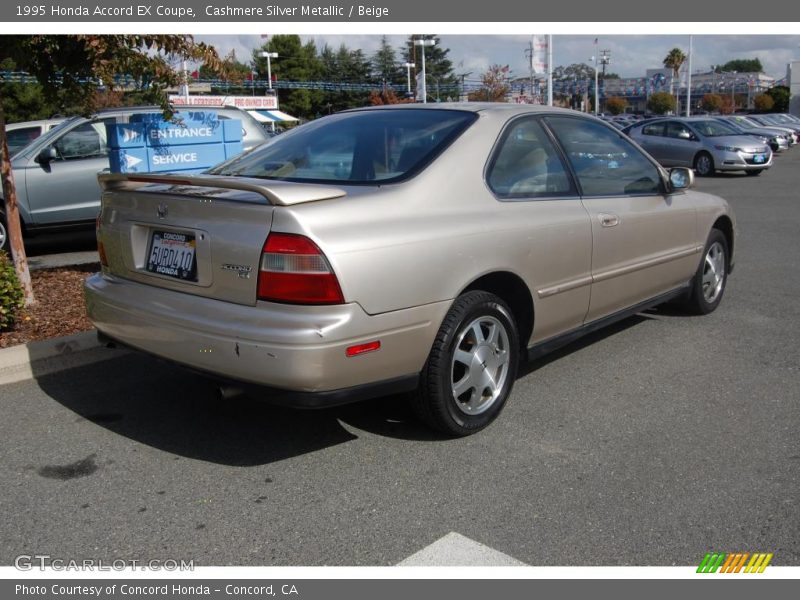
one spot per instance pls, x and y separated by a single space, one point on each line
56 174
704 143
778 139
415 249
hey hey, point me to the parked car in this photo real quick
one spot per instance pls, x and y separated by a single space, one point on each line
778 140
793 129
56 174
23 133
411 249
704 143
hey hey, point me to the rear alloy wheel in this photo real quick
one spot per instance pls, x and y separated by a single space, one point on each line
472 366
755 173
709 282
704 164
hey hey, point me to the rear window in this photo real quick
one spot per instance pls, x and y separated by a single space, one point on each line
19 138
358 148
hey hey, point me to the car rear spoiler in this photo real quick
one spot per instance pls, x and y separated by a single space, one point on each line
280 193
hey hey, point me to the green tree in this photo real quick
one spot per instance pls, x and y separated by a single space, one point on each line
780 97
438 68
72 68
741 65
574 72
763 103
711 102
660 103
385 68
494 85
296 62
616 105
344 66
674 60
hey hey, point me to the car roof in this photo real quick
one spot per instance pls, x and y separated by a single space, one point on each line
487 107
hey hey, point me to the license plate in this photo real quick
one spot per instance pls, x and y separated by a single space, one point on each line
172 254
759 158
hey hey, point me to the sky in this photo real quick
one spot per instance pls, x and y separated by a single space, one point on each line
631 55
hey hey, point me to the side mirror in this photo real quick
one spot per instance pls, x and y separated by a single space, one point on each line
681 178
46 155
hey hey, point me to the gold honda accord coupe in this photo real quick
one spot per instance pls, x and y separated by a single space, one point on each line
427 249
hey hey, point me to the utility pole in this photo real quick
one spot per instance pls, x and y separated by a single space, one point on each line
549 70
529 54
689 82
605 60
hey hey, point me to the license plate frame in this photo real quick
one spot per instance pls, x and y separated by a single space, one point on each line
172 254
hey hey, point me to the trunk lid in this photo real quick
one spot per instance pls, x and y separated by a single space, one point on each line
200 235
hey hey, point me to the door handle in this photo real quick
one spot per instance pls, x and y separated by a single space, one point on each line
608 220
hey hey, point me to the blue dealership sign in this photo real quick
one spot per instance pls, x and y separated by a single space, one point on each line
195 141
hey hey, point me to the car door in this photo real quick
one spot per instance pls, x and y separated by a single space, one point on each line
651 138
644 241
544 220
681 146
65 189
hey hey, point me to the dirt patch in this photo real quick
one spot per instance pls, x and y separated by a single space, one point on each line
59 309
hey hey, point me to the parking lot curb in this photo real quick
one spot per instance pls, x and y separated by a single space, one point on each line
35 359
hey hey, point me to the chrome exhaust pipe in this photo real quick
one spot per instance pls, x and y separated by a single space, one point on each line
228 392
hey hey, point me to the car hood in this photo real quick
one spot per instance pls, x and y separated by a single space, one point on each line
742 141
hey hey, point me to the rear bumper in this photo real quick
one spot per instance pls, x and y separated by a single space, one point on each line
297 350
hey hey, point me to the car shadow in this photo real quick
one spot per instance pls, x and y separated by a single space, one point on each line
179 412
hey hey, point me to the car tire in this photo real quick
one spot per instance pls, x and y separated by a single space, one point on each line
708 284
4 242
704 164
755 173
471 368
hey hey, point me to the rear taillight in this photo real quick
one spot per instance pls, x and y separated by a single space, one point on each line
295 271
101 250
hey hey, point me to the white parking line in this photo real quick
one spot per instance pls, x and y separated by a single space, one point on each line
456 550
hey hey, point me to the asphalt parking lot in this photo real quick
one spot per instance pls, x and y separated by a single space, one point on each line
650 443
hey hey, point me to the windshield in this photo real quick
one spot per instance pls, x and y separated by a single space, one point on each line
711 128
745 123
363 147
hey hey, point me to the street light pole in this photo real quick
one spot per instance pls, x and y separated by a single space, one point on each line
409 66
268 56
422 44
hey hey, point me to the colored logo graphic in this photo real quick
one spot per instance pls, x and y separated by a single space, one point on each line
734 562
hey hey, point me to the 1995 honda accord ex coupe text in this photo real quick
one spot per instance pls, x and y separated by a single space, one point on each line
410 249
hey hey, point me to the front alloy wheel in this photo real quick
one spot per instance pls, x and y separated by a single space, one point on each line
704 164
708 284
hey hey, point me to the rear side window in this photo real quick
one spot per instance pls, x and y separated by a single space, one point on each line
604 161
19 138
653 129
526 164
359 148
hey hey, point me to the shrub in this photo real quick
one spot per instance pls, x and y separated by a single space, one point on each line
616 105
11 295
764 103
661 103
711 102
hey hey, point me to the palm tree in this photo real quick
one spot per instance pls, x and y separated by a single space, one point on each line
674 60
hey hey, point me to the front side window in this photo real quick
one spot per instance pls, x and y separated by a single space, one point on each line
678 130
85 141
604 161
526 164
364 147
